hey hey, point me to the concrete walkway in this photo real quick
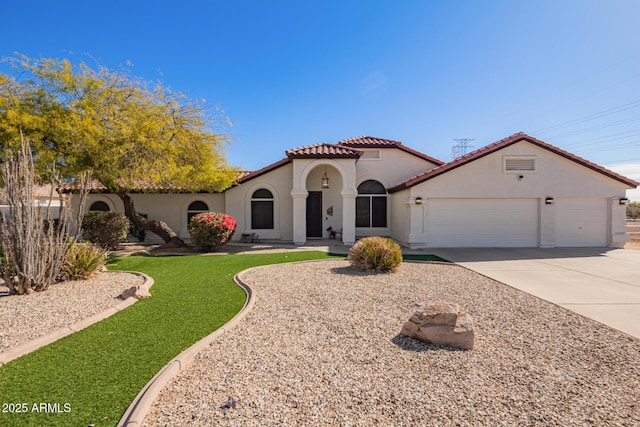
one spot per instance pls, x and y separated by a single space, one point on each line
600 283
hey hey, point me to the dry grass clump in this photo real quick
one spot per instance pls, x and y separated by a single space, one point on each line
83 260
377 254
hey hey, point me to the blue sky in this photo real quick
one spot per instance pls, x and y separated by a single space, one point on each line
294 73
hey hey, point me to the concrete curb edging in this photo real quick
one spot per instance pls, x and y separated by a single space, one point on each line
33 345
139 408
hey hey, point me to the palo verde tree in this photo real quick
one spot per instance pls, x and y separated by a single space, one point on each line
129 134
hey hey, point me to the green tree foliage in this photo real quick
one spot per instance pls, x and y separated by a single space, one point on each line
633 210
129 134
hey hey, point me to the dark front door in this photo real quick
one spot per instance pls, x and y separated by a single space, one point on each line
314 215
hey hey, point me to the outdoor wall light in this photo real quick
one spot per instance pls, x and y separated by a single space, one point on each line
418 200
325 180
624 201
548 201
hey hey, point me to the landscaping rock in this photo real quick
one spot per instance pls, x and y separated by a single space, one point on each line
442 323
138 292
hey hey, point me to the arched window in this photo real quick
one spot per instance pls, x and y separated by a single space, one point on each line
371 205
99 206
262 210
195 208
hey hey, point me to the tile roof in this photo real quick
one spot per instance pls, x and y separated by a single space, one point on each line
269 168
369 142
491 148
323 150
139 187
373 142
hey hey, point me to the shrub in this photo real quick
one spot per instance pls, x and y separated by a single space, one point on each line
376 254
105 229
211 229
83 260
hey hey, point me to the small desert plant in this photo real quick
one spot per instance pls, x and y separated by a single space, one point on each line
83 260
376 254
106 229
211 229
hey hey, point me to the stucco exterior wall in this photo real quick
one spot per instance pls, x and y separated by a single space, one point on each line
554 177
170 208
393 166
238 204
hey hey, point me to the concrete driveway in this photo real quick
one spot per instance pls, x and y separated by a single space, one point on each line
600 283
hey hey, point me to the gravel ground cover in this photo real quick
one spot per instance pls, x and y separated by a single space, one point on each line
322 347
27 317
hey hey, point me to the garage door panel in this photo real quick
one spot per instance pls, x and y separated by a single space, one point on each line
581 222
482 222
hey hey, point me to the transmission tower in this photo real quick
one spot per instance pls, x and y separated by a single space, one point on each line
462 148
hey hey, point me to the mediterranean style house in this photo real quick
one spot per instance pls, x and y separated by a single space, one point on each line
517 192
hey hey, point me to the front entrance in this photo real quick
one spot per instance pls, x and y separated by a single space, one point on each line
314 215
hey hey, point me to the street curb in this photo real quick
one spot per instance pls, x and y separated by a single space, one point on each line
33 345
139 408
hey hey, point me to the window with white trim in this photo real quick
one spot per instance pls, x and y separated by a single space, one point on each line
262 210
196 208
371 205
99 206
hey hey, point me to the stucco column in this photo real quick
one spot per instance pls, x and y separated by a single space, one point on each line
547 224
349 215
618 221
299 197
417 237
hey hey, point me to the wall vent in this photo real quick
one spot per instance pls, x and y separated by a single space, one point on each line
519 164
370 154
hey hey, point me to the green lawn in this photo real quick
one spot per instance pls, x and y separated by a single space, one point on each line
92 376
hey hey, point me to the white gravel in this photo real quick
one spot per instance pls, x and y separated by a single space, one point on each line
26 317
322 347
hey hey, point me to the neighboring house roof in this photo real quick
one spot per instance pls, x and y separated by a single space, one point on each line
142 187
491 148
323 150
373 142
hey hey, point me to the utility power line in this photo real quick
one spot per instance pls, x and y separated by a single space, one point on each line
590 117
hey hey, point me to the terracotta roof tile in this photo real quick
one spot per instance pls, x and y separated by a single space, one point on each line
323 150
373 142
250 175
491 148
369 142
140 187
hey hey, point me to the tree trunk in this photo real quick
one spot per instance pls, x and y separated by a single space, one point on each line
160 228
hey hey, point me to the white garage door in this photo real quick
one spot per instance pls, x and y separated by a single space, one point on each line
581 222
482 222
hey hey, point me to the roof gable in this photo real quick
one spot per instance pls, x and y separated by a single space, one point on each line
503 143
373 142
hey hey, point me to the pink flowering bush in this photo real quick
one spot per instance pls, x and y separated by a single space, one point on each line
211 229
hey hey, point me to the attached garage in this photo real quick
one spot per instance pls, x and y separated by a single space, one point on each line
482 222
581 222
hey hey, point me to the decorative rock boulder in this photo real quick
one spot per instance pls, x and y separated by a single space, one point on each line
138 292
441 323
